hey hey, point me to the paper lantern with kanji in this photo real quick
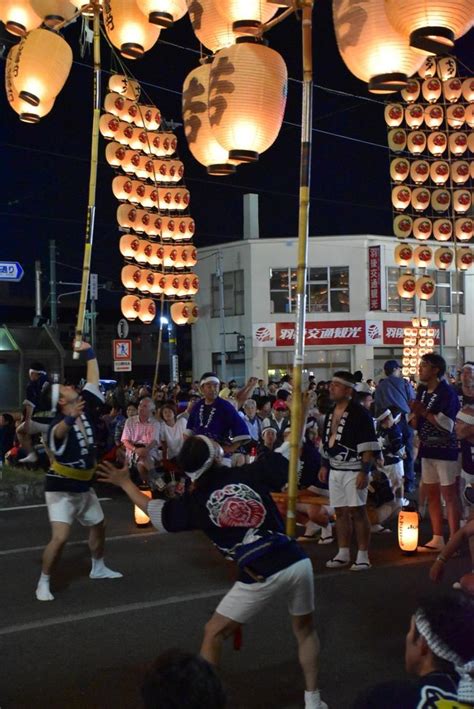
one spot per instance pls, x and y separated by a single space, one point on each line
246 109
467 89
414 115
406 286
456 116
147 280
442 229
130 306
434 116
126 216
42 65
428 68
125 86
384 65
402 226
53 12
431 89
443 258
439 172
128 29
452 90
416 142
422 256
19 17
408 523
147 312
431 25
403 254
26 112
458 143
446 68
393 115
464 229
440 200
397 140
422 228
129 245
401 197
211 29
464 258
419 171
411 92
425 287
461 201
131 277
163 13
437 143
399 169
420 199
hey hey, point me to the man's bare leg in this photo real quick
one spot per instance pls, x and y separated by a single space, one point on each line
308 655
96 545
59 535
216 630
451 497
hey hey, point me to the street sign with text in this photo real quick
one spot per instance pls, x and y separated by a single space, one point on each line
122 350
11 271
122 328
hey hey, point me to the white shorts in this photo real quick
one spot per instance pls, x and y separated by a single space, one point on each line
394 473
343 491
33 427
68 506
442 472
246 600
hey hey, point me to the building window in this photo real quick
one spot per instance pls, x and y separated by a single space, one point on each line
449 292
327 290
233 294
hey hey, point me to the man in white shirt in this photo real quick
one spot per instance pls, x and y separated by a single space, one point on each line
141 436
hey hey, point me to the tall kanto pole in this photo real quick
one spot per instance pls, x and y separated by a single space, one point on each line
89 235
306 6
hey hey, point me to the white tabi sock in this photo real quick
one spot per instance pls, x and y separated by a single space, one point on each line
101 571
343 554
312 700
362 557
42 590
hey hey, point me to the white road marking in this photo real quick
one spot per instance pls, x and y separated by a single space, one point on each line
121 537
101 613
34 507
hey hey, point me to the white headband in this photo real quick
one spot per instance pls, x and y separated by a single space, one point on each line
465 418
468 366
207 463
340 380
54 396
36 371
210 380
383 416
439 648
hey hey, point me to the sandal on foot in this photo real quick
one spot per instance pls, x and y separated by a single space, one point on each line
337 563
361 566
326 540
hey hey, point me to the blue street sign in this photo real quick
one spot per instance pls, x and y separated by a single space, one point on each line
11 271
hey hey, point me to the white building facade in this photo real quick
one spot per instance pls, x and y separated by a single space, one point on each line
354 318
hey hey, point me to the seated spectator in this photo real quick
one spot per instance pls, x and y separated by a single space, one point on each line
439 650
7 434
172 434
180 680
269 436
254 424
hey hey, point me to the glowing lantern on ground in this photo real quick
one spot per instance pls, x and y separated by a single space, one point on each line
464 258
406 286
122 187
461 201
42 65
385 65
442 229
414 115
402 226
468 89
443 258
397 140
408 531
211 29
19 17
420 171
411 92
439 172
130 306
399 169
129 246
401 197
121 84
431 90
131 277
440 200
425 287
434 116
163 12
53 12
422 228
422 256
420 199
437 143
147 280
458 143
431 25
246 110
126 216
141 518
456 115
416 142
128 29
26 112
403 254
393 114
147 312
464 229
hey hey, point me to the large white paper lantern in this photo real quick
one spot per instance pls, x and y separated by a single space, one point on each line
131 277
246 16
19 17
403 254
26 112
422 256
431 89
129 245
416 142
437 143
128 29
211 29
440 200
53 12
420 199
163 13
442 229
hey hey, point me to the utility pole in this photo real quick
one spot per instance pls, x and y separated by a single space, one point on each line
53 309
220 278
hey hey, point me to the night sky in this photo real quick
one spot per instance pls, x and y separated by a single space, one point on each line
45 167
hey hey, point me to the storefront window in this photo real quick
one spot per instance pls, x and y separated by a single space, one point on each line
449 291
395 304
327 290
321 363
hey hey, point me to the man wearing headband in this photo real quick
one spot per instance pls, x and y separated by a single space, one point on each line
69 495
434 415
439 651
348 451
467 384
217 418
234 508
37 416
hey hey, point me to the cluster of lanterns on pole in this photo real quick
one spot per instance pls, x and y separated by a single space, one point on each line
418 340
431 141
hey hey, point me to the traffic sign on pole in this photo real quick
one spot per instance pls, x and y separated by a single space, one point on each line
122 328
94 286
11 271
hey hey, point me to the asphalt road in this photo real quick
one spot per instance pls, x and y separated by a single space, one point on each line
88 649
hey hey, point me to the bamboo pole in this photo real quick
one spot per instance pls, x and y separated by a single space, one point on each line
89 235
303 229
160 339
